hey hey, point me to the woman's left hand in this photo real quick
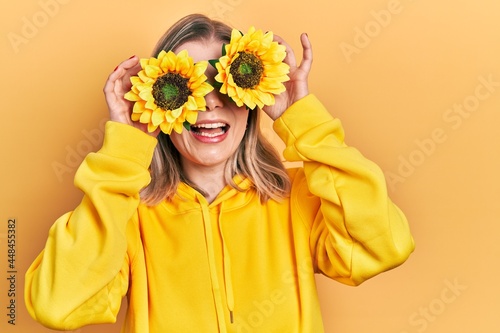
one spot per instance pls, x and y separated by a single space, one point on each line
297 86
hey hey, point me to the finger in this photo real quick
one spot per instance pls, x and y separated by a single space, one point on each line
307 53
109 86
131 62
131 65
118 88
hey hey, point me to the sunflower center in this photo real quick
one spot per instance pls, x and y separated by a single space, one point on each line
247 70
171 91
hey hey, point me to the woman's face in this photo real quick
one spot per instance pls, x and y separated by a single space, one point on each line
219 130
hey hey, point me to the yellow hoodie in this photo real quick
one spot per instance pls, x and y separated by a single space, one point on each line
233 265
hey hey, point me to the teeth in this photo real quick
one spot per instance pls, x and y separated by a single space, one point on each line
212 125
218 127
210 135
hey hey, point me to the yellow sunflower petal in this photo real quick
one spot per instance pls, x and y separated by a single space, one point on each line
183 63
166 127
143 62
158 117
191 104
145 117
251 30
162 54
131 96
223 88
272 90
240 92
176 113
253 102
223 62
139 107
154 62
135 80
151 127
238 100
144 77
197 83
250 101
153 71
169 117
142 86
235 35
274 54
135 116
191 117
146 94
202 90
265 98
199 69
178 127
276 70
150 104
170 62
201 103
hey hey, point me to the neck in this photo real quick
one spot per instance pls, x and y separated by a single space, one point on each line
210 180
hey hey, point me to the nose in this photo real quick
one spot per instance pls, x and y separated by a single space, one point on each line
213 100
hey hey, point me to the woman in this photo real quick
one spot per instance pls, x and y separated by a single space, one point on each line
205 231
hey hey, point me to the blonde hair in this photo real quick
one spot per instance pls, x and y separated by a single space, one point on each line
255 157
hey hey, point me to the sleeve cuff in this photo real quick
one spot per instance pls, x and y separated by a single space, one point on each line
300 117
127 142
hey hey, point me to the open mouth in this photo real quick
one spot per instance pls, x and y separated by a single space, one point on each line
209 130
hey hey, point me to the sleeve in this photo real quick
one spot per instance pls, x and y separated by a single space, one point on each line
356 231
82 273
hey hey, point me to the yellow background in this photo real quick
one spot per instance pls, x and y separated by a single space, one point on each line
395 72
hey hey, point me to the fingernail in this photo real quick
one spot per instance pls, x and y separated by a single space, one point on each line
115 68
132 56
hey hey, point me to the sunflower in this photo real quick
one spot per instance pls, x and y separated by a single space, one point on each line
169 91
251 69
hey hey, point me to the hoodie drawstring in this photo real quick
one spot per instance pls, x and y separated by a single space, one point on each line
209 241
227 271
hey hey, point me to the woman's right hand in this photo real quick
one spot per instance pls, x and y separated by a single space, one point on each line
117 85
